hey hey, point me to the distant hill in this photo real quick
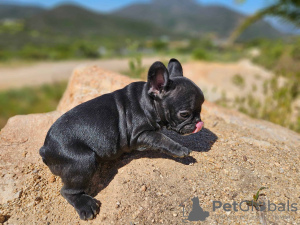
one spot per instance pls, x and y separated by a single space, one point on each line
167 17
73 20
8 11
187 16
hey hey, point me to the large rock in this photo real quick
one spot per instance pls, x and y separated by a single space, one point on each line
89 82
232 158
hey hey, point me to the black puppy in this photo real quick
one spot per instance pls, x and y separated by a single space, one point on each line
124 120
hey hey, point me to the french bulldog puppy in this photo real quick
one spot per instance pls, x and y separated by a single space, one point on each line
127 119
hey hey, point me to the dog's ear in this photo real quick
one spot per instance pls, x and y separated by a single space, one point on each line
158 78
175 68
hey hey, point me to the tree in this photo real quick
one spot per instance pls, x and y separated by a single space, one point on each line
288 10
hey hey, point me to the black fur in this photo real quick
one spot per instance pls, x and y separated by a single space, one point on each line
124 120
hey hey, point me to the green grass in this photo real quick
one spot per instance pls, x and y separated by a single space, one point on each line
200 54
30 100
238 80
277 104
255 201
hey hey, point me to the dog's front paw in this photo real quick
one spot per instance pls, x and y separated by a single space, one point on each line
182 152
87 207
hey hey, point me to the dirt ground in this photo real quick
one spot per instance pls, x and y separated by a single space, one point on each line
49 72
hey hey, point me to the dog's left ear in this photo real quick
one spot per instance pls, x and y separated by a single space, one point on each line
175 68
158 78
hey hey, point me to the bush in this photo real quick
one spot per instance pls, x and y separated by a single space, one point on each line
32 52
85 50
238 80
200 54
160 45
30 100
296 53
136 68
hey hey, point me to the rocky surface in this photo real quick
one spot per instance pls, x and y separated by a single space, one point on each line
233 157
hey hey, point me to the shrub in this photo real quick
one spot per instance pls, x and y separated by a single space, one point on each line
136 68
238 80
200 54
30 100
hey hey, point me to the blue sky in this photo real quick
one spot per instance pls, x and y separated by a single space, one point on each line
248 7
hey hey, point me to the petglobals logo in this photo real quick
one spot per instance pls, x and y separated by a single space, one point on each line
254 205
192 211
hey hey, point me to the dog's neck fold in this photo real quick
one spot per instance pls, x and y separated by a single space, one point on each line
152 109
160 114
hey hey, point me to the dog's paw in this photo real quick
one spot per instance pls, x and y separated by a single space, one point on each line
87 207
183 152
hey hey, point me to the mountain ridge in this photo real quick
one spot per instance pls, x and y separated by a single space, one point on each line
196 19
13 11
142 19
68 19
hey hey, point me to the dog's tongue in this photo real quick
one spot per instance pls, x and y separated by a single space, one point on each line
199 126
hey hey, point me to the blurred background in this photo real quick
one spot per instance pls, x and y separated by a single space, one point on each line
245 54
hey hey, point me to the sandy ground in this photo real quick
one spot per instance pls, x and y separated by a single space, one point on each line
48 72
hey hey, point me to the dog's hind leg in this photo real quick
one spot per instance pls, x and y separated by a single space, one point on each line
77 176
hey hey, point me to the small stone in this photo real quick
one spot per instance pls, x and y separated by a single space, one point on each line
52 179
232 195
245 158
233 178
211 160
18 194
281 170
38 199
175 214
2 218
30 204
118 204
36 177
144 188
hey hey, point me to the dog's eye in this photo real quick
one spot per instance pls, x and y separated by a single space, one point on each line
184 114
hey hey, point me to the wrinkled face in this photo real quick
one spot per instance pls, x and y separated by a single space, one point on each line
182 107
178 99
